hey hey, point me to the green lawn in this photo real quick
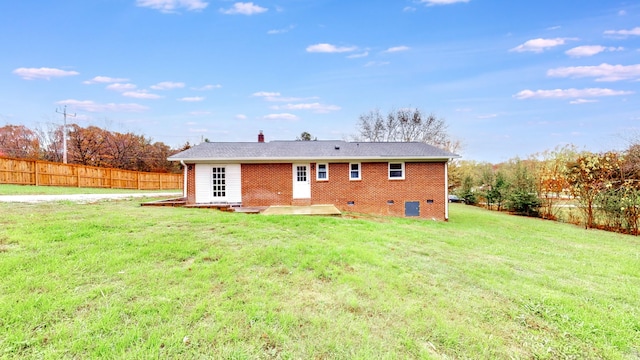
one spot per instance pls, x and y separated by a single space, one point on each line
60 190
117 280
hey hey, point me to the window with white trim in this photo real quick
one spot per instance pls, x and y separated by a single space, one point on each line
396 171
354 171
322 172
219 182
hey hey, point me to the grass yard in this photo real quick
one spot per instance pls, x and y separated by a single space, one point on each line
117 280
60 190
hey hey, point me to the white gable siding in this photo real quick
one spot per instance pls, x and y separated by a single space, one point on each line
204 183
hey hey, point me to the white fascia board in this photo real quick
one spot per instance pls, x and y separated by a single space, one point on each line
311 159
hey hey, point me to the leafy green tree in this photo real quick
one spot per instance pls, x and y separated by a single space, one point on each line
522 197
305 136
466 191
499 189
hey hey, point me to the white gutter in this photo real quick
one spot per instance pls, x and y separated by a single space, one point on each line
312 159
446 191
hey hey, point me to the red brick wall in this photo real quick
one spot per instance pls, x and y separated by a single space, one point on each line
191 183
267 184
423 181
272 184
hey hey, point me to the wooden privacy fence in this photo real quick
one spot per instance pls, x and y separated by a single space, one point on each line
35 172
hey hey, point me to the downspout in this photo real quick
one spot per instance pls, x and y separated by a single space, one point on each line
446 190
184 179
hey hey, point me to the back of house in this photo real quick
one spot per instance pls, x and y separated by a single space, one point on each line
384 178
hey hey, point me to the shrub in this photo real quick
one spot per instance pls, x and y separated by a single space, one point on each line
524 203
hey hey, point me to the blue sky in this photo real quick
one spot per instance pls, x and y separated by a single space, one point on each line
510 78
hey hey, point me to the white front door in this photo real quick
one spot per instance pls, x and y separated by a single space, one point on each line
301 181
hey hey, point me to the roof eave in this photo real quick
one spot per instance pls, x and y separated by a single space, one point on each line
313 159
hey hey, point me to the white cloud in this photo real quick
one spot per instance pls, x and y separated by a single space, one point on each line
42 73
590 50
207 87
602 72
141 94
360 55
569 93
539 45
244 9
266 94
167 85
487 116
631 32
328 48
581 101
191 99
283 116
240 117
397 49
376 63
91 106
409 9
316 107
442 2
280 31
104 80
171 6
121 87
275 96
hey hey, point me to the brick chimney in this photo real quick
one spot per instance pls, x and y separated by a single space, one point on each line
260 137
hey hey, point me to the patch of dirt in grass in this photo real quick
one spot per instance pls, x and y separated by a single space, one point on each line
217 288
188 262
6 244
282 270
212 258
270 347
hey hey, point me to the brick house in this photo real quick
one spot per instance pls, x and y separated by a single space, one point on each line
398 179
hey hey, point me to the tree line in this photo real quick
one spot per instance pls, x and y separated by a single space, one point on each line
597 190
92 146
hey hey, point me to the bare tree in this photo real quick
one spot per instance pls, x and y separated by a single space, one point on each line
50 136
404 125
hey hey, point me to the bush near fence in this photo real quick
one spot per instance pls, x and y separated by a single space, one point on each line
45 173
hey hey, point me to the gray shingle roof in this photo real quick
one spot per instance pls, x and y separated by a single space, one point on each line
311 150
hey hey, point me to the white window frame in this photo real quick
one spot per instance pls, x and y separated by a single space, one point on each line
359 171
402 169
326 171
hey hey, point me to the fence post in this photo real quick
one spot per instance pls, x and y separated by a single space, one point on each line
36 172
